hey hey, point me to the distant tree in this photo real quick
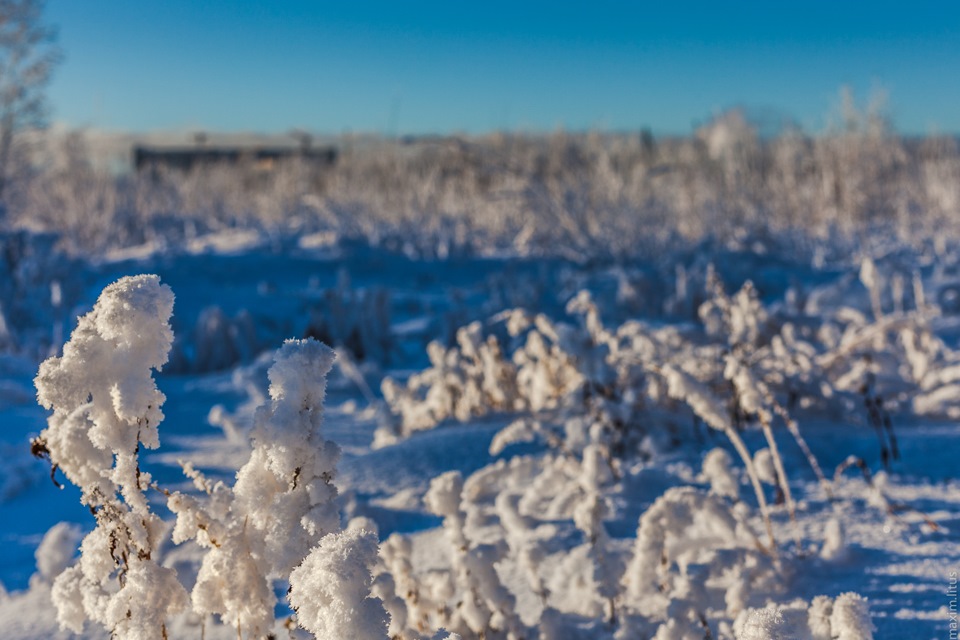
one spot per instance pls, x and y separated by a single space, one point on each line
28 54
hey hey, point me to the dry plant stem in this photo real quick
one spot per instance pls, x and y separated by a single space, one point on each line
755 481
875 305
794 429
853 461
882 423
782 477
707 635
894 508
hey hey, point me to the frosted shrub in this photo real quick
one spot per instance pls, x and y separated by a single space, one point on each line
554 369
467 380
105 406
397 581
583 197
527 549
286 489
282 501
935 369
739 319
588 517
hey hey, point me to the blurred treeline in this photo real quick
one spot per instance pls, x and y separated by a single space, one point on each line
584 196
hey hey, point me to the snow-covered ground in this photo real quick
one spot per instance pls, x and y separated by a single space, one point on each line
612 431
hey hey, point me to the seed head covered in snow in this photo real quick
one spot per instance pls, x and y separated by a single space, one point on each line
102 391
683 386
845 618
834 546
764 463
331 589
850 619
763 624
717 471
750 392
818 618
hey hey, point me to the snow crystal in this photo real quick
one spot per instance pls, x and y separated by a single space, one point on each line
763 624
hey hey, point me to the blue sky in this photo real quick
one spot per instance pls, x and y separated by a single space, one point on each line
403 66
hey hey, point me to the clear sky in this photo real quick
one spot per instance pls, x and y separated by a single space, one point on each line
403 66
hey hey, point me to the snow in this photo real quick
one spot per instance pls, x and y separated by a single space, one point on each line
535 470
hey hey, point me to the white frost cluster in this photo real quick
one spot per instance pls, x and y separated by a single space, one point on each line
763 624
330 590
717 471
286 490
847 617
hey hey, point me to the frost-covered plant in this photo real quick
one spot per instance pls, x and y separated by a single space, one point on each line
105 406
846 617
694 553
481 605
562 371
330 589
711 410
739 320
527 549
467 380
281 504
396 580
588 516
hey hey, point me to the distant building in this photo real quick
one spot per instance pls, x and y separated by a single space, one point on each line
185 158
